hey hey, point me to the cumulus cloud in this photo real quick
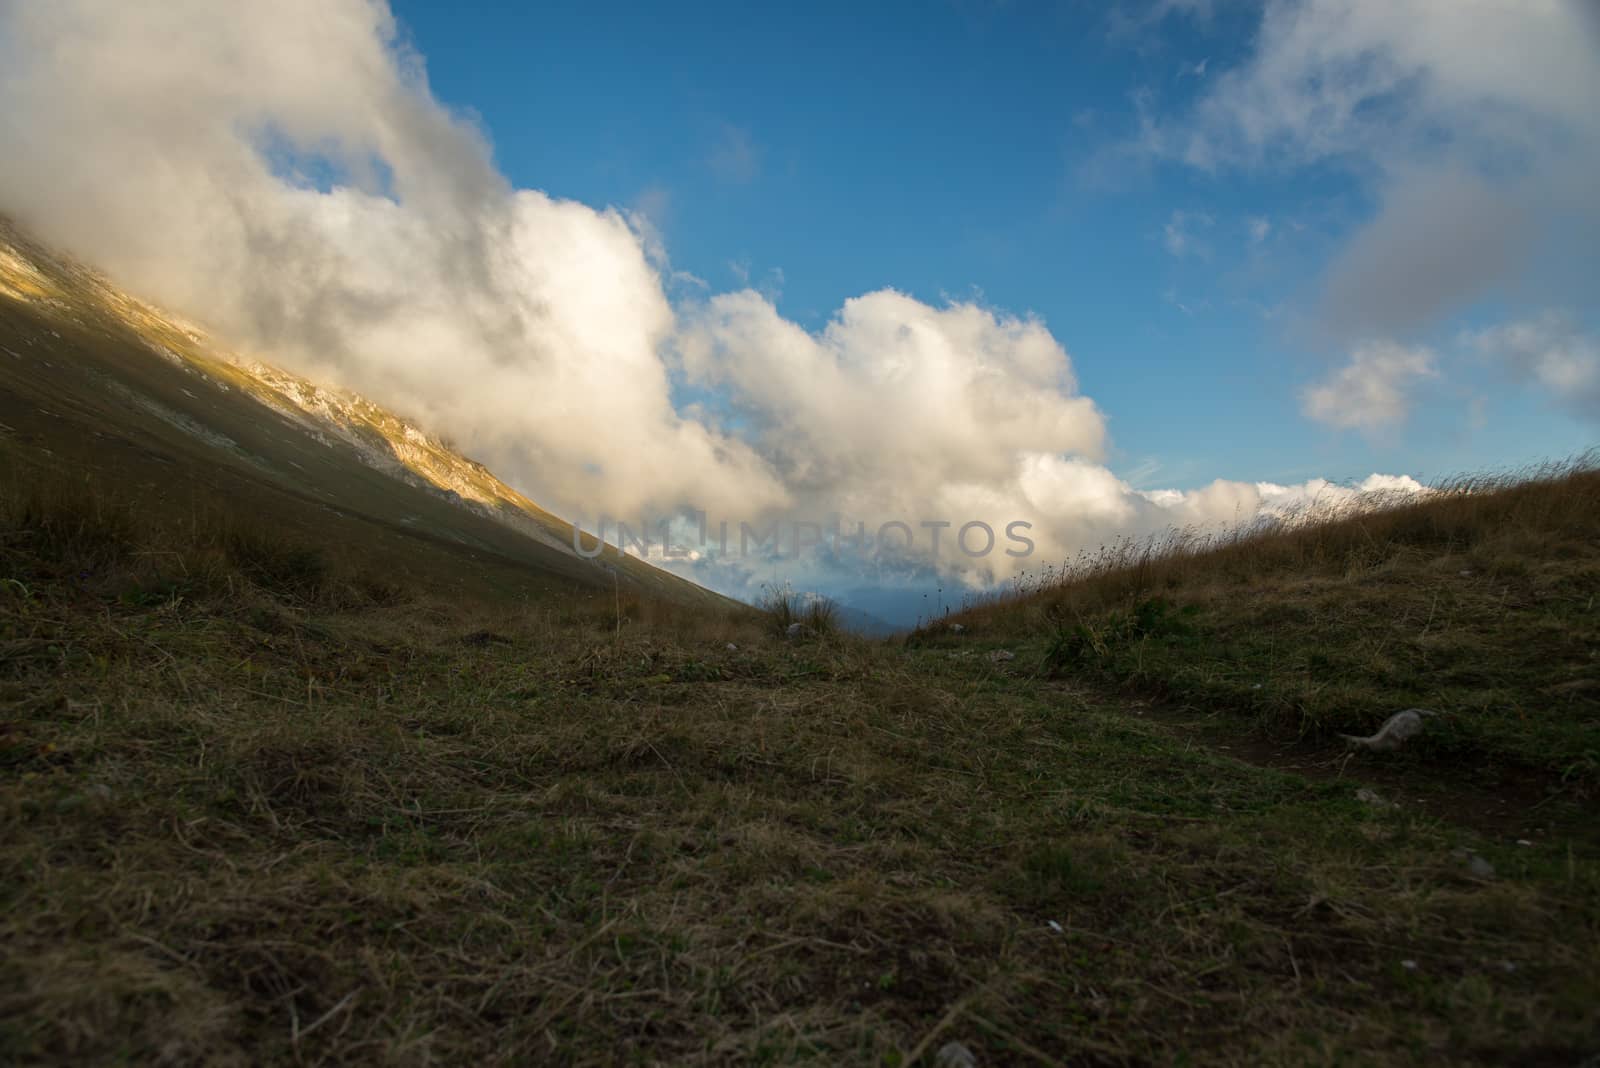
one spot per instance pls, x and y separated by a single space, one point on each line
283 174
1372 392
894 397
1471 120
1551 352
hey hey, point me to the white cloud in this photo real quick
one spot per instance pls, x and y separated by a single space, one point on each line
1373 391
1334 78
1376 388
161 142
168 144
897 410
1472 120
1259 228
894 399
1551 352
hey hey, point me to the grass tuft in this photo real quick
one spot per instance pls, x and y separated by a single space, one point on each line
67 526
782 608
273 564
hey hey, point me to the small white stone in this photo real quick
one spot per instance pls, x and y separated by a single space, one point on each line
1395 732
954 1055
1369 796
1409 965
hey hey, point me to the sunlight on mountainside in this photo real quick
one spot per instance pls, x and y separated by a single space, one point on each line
58 287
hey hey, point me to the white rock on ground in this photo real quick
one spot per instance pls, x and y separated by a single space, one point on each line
1475 864
1395 732
1372 797
954 1055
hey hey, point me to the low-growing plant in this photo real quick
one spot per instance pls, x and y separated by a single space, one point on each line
68 525
783 608
274 564
1086 639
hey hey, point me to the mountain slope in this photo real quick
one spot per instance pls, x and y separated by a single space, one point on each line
1475 600
97 384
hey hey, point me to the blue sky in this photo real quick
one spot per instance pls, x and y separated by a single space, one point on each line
961 150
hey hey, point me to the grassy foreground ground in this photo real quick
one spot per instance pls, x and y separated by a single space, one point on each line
256 810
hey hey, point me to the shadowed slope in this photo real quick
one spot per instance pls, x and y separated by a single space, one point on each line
95 384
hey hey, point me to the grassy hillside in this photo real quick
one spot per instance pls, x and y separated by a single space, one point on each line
259 806
97 386
1477 601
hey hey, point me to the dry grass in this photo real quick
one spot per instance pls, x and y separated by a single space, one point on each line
782 608
1548 511
1476 600
249 821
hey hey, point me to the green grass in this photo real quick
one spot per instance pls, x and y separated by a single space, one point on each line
256 820
1478 602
